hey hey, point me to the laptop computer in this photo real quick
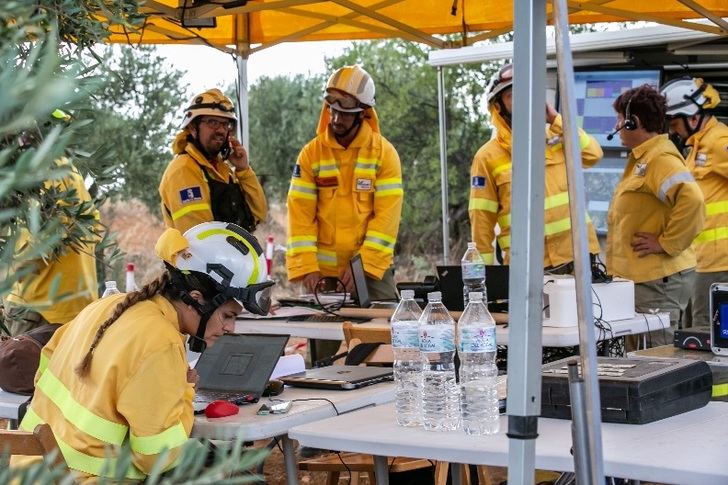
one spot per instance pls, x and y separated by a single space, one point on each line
496 284
341 377
237 368
360 282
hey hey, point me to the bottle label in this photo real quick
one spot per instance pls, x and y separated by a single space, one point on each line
473 271
437 338
477 339
405 335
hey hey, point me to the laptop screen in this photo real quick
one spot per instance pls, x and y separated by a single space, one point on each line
360 281
240 362
451 284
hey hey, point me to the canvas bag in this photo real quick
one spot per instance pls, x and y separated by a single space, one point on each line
20 357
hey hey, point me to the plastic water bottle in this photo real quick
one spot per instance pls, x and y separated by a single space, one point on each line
408 361
478 372
130 280
110 288
473 269
440 394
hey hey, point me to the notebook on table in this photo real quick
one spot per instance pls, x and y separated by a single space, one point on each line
237 368
342 377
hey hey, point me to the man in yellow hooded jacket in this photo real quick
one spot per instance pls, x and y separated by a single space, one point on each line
210 177
491 172
689 110
656 212
346 192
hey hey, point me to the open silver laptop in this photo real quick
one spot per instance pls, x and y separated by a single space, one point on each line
237 368
343 377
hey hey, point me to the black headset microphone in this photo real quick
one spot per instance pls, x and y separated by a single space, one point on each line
629 123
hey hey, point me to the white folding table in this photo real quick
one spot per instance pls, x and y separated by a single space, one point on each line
687 449
309 405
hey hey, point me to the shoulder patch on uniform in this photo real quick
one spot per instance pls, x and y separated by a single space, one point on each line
477 182
640 169
297 171
190 194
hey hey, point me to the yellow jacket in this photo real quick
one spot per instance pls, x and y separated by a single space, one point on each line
73 271
342 201
184 191
135 394
490 194
658 195
708 162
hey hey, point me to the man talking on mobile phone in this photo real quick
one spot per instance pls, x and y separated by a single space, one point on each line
210 177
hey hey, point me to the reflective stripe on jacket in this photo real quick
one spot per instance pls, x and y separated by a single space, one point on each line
708 162
136 393
657 195
490 196
343 201
185 193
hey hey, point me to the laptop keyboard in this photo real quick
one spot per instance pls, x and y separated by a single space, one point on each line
237 397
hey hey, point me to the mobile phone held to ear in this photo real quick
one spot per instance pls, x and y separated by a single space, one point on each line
226 148
719 318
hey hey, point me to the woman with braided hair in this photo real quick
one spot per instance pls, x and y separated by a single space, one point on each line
117 374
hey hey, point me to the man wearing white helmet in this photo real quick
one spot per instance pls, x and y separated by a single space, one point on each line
210 177
491 172
692 125
346 193
117 374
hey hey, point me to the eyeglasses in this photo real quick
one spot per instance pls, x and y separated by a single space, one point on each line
344 102
216 124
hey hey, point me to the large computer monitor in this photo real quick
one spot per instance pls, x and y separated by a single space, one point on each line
595 93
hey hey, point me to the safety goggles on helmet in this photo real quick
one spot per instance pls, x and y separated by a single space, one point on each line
341 102
255 298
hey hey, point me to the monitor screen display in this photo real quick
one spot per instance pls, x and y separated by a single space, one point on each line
595 93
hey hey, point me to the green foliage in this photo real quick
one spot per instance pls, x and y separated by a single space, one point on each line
232 464
284 112
136 111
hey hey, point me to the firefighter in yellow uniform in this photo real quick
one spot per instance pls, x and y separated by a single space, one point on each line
59 286
346 192
692 124
491 173
210 177
118 375
656 212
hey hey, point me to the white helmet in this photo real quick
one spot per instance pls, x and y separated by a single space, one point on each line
226 254
501 81
354 82
687 96
211 103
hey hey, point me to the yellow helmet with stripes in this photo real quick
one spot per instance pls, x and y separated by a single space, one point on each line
350 89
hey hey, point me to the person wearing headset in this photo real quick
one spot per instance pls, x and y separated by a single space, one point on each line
117 374
210 177
656 212
491 173
690 103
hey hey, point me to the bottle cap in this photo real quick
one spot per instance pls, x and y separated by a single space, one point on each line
110 284
471 245
475 296
407 294
434 296
130 266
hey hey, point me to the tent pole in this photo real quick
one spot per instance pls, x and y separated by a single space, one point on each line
580 244
443 165
527 233
243 100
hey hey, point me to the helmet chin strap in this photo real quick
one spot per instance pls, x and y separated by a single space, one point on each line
197 342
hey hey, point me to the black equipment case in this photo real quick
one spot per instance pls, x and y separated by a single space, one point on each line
634 390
